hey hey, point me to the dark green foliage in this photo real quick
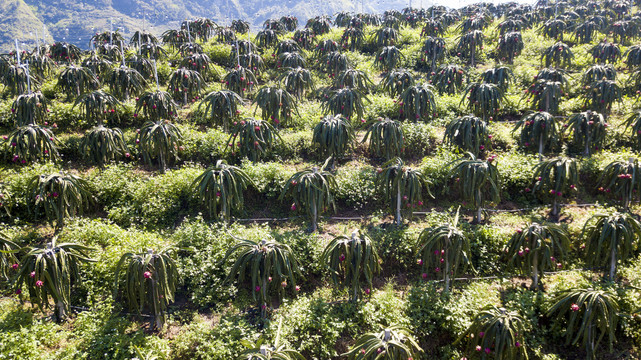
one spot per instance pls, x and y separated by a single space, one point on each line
538 128
584 32
297 80
469 44
602 94
31 143
510 46
157 105
240 26
8 259
270 265
266 38
335 62
142 37
185 84
159 140
252 138
353 78
385 138
240 80
152 51
589 130
16 80
352 261
96 104
62 195
49 272
591 315
401 184
633 56
433 50
200 63
606 52
397 81
554 29
334 134
448 79
483 99
320 25
276 104
622 180
633 122
76 80
500 76
291 60
221 107
325 47
101 145
417 103
29 108
469 134
394 343
347 102
221 188
558 54
497 332
386 36
352 38
445 249
610 238
388 58
305 38
598 72
546 95
478 180
625 29
97 63
150 280
312 189
556 177
64 52
124 81
287 46
537 248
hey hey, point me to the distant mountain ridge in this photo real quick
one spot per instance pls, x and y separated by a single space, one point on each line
76 20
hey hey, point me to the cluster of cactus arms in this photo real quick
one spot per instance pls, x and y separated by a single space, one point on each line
497 331
160 140
536 248
221 188
149 283
510 46
469 44
401 185
556 177
479 180
221 107
469 134
558 54
448 79
433 50
484 99
397 81
357 79
353 261
606 52
417 103
385 138
252 138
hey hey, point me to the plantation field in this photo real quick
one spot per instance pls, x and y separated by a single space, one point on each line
425 184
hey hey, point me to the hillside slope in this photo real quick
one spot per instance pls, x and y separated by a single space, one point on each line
76 20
